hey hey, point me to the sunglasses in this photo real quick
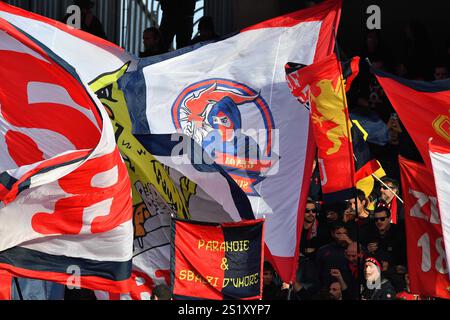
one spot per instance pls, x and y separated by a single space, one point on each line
386 188
311 210
382 219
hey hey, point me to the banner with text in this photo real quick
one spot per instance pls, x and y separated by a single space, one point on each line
427 266
217 261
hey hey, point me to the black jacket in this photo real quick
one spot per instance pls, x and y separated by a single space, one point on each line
385 292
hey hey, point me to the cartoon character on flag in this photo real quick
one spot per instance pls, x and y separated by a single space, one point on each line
209 112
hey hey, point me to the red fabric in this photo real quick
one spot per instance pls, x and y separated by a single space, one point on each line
329 13
367 170
430 118
192 265
312 231
425 245
354 270
328 9
25 73
88 282
5 285
393 208
331 124
407 296
67 218
200 267
354 68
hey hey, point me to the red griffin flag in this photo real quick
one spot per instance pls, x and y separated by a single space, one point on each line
427 266
331 124
217 261
423 107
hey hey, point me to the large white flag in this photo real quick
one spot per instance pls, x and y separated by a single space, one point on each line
88 54
440 160
231 97
65 200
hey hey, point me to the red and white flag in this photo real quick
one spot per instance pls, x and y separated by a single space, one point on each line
427 263
89 55
440 160
65 199
232 98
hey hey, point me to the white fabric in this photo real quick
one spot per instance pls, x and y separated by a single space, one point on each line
441 171
255 58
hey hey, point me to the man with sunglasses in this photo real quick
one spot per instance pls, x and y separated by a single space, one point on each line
313 234
388 197
387 240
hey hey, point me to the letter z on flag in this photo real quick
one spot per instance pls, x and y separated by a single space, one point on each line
217 261
427 265
232 99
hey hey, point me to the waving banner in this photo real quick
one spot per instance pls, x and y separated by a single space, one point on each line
231 98
159 193
88 54
427 101
65 201
217 261
440 160
427 265
324 86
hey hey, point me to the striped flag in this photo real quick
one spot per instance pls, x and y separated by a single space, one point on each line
65 200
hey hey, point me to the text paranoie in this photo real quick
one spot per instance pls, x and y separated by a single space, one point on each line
233 246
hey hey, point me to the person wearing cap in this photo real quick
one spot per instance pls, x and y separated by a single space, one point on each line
387 241
376 287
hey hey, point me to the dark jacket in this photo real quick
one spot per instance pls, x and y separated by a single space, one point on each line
385 292
391 245
330 256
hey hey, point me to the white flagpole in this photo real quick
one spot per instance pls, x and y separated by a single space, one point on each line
388 188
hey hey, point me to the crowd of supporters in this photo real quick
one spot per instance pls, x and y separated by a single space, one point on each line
356 248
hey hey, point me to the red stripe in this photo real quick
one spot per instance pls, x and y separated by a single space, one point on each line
367 170
87 282
99 42
329 12
5 285
307 172
315 13
194 264
325 44
12 194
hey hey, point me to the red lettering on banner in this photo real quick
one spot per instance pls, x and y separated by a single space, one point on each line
425 207
22 148
17 107
245 183
67 217
427 265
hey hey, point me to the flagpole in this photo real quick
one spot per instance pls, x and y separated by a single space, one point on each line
350 139
396 195
373 175
344 98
